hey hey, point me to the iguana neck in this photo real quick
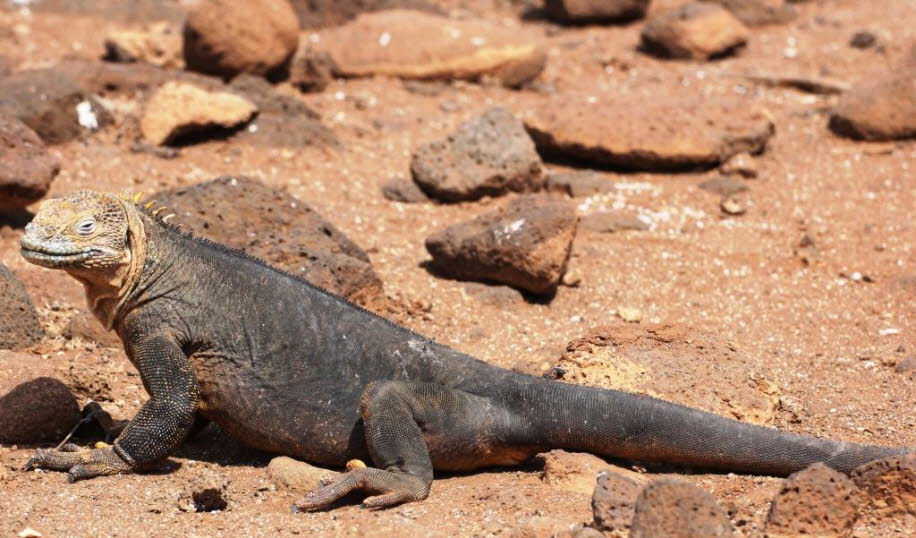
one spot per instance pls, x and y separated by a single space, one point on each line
107 292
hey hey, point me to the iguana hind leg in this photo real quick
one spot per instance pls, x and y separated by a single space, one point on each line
410 428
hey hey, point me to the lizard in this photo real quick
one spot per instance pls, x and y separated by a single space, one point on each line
289 368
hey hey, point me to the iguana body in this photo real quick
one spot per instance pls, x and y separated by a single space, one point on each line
289 368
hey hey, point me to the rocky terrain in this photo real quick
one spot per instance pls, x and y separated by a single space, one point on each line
708 202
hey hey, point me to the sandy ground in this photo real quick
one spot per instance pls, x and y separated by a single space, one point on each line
827 339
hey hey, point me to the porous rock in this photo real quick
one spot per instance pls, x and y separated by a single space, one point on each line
595 11
178 109
524 244
244 213
672 362
229 37
815 501
614 503
51 104
417 45
676 509
285 472
661 134
19 323
879 109
488 155
205 491
26 167
889 485
696 31
35 406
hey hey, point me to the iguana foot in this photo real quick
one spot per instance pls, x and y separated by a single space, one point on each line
389 488
79 463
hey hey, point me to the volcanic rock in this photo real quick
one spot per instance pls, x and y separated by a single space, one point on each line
524 244
696 31
658 134
244 213
488 155
26 167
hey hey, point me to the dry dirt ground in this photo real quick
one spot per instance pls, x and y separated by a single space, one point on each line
826 338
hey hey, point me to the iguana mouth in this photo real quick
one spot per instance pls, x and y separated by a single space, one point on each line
40 253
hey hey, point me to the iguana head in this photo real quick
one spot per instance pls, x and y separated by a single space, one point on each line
98 238
85 231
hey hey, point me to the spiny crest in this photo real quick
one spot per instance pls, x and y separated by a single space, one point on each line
148 207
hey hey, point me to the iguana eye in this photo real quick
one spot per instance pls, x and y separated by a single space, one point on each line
85 227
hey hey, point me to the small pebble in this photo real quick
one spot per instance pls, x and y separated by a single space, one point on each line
731 205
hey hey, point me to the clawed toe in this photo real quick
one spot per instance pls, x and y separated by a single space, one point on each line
387 488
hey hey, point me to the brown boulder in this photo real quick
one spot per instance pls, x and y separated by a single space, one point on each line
178 108
659 134
278 228
677 509
35 407
674 363
816 501
614 503
19 324
695 31
488 155
229 37
524 244
26 167
880 109
759 12
592 11
889 485
418 45
51 104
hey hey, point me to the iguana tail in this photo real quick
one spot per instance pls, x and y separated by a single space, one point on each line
631 426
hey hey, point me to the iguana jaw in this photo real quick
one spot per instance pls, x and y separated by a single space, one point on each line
61 256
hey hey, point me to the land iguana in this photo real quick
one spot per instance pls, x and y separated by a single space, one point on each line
289 368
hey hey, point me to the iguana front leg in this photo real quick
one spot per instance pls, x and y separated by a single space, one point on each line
158 428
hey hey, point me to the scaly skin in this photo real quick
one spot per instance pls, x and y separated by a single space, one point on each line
289 368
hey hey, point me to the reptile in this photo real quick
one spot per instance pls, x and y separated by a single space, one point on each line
289 368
